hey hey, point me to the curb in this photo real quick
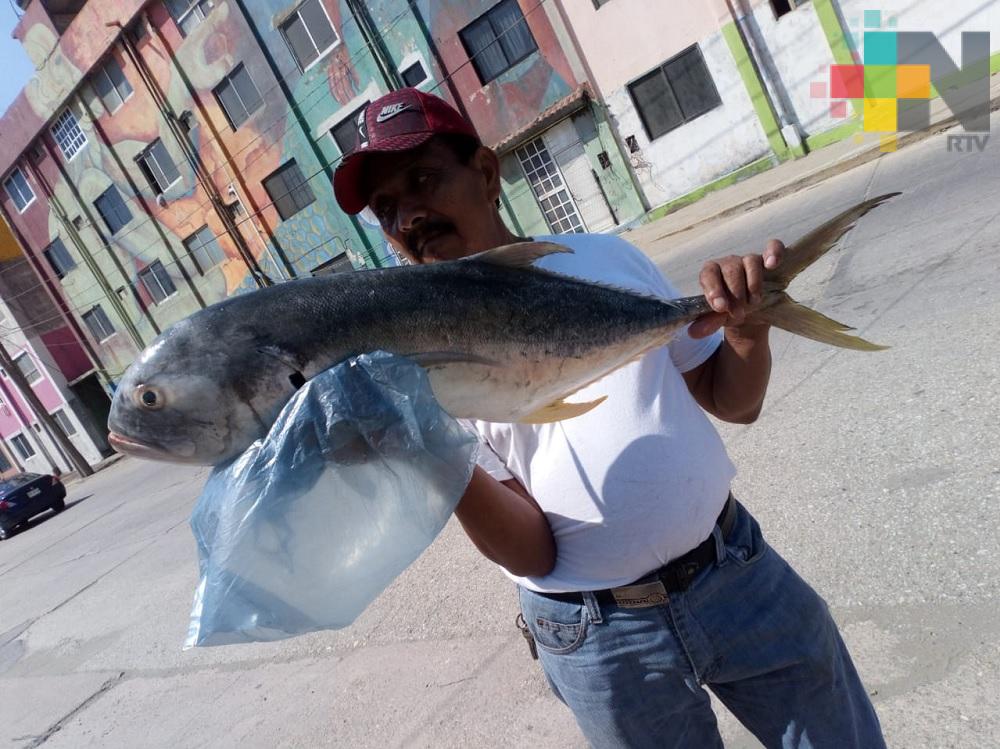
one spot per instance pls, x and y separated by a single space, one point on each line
821 174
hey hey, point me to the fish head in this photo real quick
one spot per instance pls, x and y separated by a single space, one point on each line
193 398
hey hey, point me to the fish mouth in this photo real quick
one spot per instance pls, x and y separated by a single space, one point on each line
130 446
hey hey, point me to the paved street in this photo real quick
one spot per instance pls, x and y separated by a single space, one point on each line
876 475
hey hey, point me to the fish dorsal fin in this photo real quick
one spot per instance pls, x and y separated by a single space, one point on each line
519 254
560 410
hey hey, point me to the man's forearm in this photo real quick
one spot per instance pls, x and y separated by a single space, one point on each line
731 385
507 526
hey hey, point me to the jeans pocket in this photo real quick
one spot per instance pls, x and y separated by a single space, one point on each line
558 627
746 543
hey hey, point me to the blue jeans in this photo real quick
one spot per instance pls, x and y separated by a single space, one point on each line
749 628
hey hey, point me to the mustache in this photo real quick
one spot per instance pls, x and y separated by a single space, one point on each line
424 231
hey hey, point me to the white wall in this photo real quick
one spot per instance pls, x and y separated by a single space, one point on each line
704 149
800 53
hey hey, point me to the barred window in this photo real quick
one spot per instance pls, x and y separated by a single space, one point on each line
68 135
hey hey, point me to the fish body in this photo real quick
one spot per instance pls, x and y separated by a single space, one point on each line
500 340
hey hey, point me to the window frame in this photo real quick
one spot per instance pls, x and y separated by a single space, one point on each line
662 70
229 78
103 70
142 160
65 423
353 118
105 218
60 271
151 271
21 450
34 371
408 68
192 6
24 178
103 318
202 270
486 16
320 53
274 201
59 130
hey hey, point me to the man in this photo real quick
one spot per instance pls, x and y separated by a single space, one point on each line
640 578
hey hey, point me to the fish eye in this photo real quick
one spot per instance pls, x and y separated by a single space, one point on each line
149 397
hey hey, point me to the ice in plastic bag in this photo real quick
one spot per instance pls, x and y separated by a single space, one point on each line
301 532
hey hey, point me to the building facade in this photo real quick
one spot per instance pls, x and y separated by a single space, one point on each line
40 340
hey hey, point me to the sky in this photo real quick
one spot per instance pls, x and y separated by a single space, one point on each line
17 68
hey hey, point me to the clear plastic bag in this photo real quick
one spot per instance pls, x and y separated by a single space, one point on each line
301 532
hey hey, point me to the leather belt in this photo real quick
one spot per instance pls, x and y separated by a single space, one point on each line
673 577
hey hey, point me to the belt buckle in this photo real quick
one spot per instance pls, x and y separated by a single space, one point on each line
640 596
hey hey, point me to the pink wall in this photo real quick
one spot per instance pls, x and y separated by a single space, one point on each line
44 389
67 352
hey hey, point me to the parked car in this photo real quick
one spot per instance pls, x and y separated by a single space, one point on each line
25 495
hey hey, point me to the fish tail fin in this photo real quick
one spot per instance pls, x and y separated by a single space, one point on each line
787 314
817 243
784 312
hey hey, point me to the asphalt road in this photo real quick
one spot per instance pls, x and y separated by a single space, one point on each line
876 475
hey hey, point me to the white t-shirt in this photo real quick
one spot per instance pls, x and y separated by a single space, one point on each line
640 479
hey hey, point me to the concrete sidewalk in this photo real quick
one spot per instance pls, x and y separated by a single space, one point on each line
791 176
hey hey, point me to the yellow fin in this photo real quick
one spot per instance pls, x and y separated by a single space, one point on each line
560 410
795 318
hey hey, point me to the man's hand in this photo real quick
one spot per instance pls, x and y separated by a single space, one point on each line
733 285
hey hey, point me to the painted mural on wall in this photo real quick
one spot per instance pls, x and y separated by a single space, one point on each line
141 273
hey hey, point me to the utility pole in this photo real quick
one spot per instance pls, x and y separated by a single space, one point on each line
45 419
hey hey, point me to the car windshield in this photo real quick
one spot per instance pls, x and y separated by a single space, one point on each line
12 483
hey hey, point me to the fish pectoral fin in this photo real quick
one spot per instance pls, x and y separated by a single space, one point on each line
560 410
428 359
285 357
518 255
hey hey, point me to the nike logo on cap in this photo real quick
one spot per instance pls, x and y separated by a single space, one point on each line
391 110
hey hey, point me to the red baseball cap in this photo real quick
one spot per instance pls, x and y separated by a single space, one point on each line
399 121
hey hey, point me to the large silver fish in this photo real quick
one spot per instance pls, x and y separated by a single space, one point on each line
500 340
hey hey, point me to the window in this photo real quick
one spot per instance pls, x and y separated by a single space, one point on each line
19 190
309 33
676 92
27 366
188 13
288 190
59 258
781 7
23 446
345 132
68 135
64 423
157 166
415 74
157 281
98 323
111 85
339 264
113 209
497 40
547 183
204 249
238 96
4 463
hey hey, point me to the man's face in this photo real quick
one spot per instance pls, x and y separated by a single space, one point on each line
433 207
